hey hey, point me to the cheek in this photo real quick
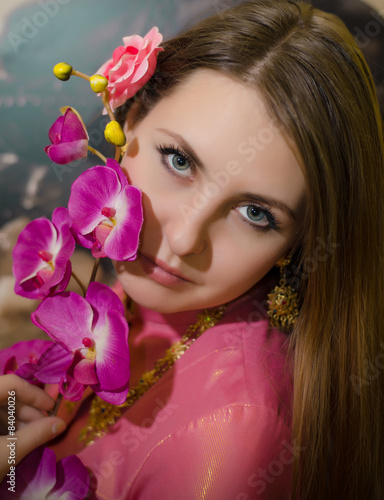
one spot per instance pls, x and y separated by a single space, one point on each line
131 168
245 264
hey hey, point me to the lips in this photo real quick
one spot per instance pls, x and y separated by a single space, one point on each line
160 272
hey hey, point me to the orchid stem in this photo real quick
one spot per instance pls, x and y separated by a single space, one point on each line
57 405
79 283
117 153
104 96
80 74
94 270
97 153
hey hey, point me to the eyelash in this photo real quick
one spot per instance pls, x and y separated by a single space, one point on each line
166 150
273 221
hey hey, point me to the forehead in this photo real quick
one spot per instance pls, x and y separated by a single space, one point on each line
227 122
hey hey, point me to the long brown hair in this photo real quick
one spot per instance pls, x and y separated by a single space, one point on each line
316 83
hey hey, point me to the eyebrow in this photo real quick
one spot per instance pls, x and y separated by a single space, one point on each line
279 205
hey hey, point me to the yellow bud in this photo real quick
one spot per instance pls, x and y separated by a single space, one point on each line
62 71
98 83
114 133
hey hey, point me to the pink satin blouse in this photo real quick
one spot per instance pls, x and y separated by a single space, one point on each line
216 426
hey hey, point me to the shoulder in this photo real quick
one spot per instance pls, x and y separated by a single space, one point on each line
244 360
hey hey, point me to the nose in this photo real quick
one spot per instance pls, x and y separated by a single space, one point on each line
187 230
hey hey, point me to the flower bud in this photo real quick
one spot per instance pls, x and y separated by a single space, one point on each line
98 83
114 133
62 71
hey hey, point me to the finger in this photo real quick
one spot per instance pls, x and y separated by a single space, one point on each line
26 413
25 392
35 434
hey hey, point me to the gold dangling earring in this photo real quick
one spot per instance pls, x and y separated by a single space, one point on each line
283 305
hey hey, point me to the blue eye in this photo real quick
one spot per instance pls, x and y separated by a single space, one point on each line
260 218
174 160
178 162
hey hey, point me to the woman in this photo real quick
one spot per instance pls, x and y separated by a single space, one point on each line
257 142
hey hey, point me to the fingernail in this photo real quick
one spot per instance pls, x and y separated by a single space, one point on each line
58 427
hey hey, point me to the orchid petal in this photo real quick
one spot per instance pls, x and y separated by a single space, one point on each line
66 247
53 364
27 351
103 299
54 132
40 234
36 476
97 251
27 371
71 389
69 138
73 127
93 190
60 217
84 240
65 152
40 478
62 285
123 242
101 233
112 358
36 276
28 289
66 317
116 167
10 366
72 480
115 397
84 372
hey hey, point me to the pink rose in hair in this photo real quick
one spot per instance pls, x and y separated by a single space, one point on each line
131 66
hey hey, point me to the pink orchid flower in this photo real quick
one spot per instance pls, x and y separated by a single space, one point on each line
103 206
91 347
22 358
39 477
131 66
41 256
69 138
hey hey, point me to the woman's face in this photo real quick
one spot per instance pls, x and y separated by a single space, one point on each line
223 195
